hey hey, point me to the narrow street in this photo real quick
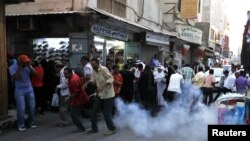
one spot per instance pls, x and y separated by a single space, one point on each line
157 70
133 125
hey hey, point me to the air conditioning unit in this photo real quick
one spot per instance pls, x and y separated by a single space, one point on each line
25 23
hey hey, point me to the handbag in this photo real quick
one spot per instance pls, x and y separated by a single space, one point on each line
55 100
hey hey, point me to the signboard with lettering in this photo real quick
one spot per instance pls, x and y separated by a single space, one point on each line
189 9
155 38
189 33
108 32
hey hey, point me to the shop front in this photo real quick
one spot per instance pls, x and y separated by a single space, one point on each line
177 53
192 40
114 39
48 37
155 45
108 44
51 49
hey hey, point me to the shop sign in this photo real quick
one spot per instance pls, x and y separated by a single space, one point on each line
159 39
104 31
189 9
189 33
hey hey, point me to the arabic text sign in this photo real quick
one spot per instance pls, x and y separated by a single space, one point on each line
104 31
189 33
155 38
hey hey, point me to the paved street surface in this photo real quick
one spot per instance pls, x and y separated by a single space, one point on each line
134 125
47 131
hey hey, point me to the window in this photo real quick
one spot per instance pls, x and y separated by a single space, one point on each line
116 7
218 36
199 8
179 5
212 34
105 5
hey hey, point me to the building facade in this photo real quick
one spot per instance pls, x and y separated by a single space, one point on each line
213 22
181 16
113 30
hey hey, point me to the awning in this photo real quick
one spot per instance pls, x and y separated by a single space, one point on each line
43 13
130 23
209 50
40 8
119 18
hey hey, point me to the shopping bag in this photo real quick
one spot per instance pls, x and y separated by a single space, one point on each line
55 100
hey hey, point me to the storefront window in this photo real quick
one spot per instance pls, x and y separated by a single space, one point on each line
51 49
109 51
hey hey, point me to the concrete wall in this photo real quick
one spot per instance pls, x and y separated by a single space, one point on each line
92 3
217 14
204 26
148 53
213 12
44 6
135 10
169 8
144 12
200 13
206 10
149 11
171 14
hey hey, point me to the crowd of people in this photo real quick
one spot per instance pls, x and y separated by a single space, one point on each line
91 88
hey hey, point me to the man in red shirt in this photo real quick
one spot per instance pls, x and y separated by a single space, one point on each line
118 80
117 84
37 83
77 98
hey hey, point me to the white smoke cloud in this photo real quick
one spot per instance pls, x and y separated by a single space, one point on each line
174 121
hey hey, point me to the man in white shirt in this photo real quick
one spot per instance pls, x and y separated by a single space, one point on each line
88 70
64 93
174 87
84 70
229 85
138 71
229 82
